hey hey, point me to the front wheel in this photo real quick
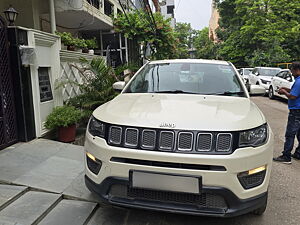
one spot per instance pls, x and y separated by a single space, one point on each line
271 93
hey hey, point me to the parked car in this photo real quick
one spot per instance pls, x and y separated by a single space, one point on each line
182 136
282 79
244 72
262 76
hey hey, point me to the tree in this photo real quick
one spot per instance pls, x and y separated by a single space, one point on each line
185 35
205 48
154 31
259 32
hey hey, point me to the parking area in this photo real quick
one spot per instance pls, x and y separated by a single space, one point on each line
41 182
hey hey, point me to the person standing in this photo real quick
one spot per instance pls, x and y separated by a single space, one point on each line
293 124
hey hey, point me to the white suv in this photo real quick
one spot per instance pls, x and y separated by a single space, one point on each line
282 79
183 136
262 76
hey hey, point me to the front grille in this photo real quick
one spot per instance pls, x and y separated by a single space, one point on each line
205 200
172 140
115 135
185 141
131 137
253 180
224 142
166 140
204 142
167 164
148 139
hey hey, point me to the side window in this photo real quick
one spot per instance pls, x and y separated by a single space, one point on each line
288 77
281 74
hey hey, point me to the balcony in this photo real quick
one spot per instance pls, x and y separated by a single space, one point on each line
85 14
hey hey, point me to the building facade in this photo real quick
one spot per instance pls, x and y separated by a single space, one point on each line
33 59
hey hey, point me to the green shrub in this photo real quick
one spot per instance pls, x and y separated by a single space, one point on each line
91 43
63 116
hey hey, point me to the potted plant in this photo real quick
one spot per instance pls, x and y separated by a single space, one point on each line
64 118
91 45
81 45
68 40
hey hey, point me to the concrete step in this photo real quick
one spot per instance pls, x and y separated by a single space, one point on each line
29 208
9 193
69 212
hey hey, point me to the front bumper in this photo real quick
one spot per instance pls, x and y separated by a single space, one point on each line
234 206
219 185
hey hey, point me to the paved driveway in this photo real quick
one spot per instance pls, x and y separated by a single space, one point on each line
41 182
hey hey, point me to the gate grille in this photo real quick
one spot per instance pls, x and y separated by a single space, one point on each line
8 127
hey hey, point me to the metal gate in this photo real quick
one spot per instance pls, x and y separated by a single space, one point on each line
8 124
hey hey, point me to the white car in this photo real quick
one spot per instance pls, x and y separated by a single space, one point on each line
262 76
183 136
244 72
282 79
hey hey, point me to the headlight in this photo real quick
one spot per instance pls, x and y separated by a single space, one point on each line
255 137
96 128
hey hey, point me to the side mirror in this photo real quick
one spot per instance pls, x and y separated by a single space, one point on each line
119 86
257 90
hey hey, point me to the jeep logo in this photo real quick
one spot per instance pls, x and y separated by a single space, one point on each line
168 125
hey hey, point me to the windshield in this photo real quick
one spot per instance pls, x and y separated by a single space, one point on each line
188 78
247 71
268 72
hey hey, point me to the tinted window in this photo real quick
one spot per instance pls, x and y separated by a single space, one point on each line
196 78
247 71
268 72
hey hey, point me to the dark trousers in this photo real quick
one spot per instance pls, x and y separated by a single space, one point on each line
292 130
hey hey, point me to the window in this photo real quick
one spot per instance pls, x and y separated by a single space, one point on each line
193 78
94 3
108 8
170 9
45 85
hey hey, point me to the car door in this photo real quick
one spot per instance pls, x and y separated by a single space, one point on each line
288 81
277 81
252 76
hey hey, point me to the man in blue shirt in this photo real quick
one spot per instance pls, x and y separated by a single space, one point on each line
293 124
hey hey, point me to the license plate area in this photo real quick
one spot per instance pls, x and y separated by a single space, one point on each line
165 182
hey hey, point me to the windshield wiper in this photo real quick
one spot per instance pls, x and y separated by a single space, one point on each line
175 92
229 93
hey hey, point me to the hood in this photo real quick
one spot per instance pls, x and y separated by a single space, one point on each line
266 78
182 111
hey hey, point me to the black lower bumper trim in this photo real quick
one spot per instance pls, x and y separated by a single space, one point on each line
235 206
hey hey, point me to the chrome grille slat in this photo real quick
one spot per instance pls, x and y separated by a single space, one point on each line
166 140
204 142
131 137
185 141
115 135
148 139
224 142
171 140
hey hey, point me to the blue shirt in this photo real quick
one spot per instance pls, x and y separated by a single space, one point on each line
295 91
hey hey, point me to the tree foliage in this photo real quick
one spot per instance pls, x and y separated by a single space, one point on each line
155 31
205 48
185 35
259 32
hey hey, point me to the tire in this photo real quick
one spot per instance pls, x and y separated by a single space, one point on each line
271 93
